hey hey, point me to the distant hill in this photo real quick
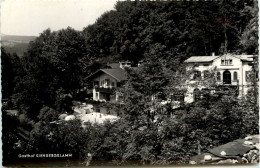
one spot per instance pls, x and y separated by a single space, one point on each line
16 44
25 39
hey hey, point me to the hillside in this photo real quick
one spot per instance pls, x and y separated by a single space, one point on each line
16 44
25 39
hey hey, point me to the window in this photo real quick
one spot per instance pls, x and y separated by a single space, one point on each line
197 75
218 76
206 74
113 84
107 97
248 76
226 77
226 62
107 82
235 76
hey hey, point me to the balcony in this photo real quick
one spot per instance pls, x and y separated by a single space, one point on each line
235 82
228 83
104 90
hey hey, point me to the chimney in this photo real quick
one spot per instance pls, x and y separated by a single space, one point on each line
125 64
121 65
213 54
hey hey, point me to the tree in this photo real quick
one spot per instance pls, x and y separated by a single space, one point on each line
33 90
249 38
182 28
11 144
52 70
67 137
162 35
10 66
65 51
48 114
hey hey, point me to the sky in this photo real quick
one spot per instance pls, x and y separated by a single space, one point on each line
31 17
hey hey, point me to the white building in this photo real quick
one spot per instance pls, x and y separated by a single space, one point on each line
230 71
105 81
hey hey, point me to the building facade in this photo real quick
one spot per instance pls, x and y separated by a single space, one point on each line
104 84
105 81
233 71
229 70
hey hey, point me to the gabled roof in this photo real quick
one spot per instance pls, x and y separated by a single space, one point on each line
117 73
232 150
201 59
249 58
211 58
245 57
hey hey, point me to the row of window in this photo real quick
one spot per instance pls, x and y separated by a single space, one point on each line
226 75
105 82
226 62
197 74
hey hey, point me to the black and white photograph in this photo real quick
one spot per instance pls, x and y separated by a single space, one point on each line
129 83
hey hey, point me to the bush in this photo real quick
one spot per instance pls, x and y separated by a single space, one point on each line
48 114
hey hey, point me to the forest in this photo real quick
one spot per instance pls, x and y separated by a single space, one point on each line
45 81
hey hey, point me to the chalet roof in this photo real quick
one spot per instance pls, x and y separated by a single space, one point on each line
117 73
201 59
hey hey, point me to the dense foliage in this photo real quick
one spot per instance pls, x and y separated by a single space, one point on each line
169 140
44 82
10 67
179 29
52 71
